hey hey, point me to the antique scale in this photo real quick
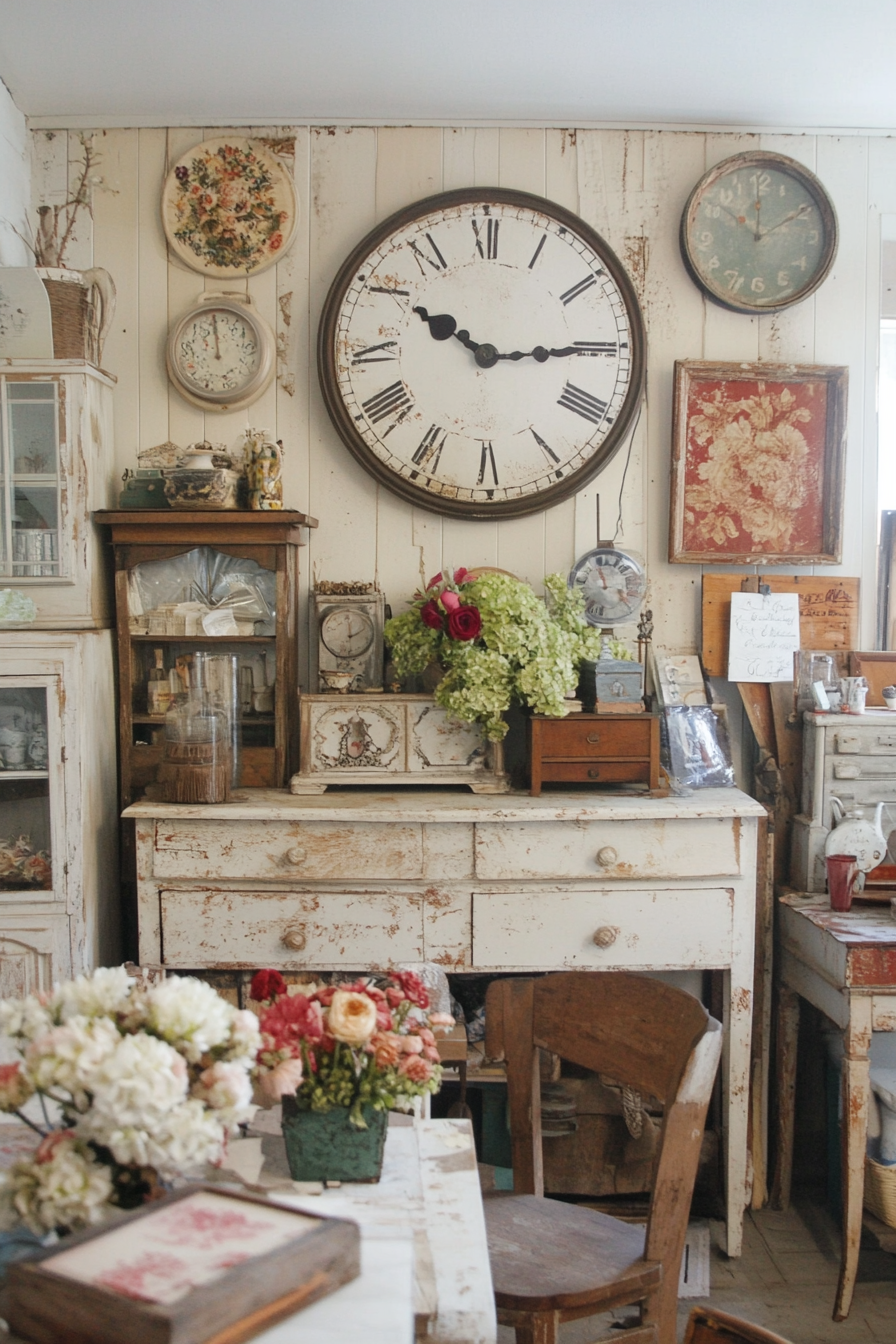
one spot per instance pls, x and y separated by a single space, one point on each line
614 584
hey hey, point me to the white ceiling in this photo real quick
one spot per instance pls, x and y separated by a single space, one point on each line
764 63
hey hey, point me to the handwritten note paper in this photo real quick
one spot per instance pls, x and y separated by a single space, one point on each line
765 634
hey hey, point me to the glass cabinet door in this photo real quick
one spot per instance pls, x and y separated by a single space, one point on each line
26 857
29 469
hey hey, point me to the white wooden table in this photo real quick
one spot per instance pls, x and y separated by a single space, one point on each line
844 964
424 1254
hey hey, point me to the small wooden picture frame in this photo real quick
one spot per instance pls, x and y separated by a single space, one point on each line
879 670
758 453
202 1266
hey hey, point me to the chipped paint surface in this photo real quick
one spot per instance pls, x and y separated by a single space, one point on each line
354 880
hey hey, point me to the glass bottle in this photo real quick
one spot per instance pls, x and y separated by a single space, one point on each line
158 692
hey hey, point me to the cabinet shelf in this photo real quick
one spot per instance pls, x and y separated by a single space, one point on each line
204 639
24 774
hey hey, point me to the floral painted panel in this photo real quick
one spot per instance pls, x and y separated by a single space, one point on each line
757 464
229 207
188 1243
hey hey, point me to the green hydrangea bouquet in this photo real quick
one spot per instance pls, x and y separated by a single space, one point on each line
497 642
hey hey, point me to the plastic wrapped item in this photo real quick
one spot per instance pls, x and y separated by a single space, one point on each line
694 747
198 584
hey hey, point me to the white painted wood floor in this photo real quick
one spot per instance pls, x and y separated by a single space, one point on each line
785 1281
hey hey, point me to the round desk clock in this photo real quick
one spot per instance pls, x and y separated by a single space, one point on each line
614 585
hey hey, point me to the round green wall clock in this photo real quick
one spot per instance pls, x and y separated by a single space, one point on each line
759 232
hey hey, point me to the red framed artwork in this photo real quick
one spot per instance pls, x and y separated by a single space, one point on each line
758 454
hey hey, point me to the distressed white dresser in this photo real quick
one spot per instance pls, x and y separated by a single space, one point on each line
476 883
847 756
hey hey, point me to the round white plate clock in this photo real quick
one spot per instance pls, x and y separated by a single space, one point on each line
347 632
481 353
614 584
221 355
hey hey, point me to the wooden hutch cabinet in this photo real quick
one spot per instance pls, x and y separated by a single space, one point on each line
142 539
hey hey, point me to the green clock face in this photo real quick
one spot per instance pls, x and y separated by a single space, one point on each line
759 232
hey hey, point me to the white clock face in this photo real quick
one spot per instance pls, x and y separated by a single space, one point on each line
220 356
347 633
483 357
218 351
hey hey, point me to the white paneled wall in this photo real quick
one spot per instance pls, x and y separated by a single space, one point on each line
15 166
630 185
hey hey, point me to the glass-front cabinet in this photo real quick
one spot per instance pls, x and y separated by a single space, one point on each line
58 826
55 468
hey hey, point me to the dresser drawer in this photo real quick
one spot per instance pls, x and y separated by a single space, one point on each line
864 740
609 735
681 847
324 851
612 930
291 929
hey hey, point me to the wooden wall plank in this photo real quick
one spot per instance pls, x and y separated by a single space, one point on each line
342 210
116 237
152 290
186 423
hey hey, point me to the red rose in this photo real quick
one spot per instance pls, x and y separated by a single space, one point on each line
292 1019
430 615
267 985
463 576
464 623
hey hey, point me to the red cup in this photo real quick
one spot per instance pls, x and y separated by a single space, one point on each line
843 870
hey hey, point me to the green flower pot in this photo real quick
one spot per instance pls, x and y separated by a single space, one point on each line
324 1146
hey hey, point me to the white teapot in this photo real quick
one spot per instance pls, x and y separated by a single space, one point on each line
853 834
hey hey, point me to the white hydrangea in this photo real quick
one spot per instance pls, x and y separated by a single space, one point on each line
137 1083
185 1139
66 1058
102 994
69 1189
190 1014
227 1089
26 1017
245 1037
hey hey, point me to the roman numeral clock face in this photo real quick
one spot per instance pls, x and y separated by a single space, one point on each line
482 354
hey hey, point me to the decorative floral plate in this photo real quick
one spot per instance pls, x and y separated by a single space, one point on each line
229 207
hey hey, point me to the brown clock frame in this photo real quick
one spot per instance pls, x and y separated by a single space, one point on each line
343 421
783 163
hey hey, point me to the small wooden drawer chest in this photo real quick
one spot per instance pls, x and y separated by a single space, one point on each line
594 749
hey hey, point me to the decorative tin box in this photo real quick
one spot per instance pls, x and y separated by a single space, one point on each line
202 488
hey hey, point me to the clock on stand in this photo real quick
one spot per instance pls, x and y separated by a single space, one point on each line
348 635
614 585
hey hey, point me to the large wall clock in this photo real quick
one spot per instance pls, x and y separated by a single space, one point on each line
481 353
759 232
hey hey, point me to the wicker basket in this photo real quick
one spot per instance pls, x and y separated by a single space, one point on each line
880 1191
69 312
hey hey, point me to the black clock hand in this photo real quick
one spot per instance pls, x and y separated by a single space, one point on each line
442 326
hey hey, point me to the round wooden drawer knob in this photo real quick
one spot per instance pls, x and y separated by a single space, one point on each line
605 936
294 938
607 856
296 855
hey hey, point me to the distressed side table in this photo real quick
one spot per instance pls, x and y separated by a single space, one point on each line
844 964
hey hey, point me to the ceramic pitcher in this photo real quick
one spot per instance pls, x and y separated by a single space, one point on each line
854 834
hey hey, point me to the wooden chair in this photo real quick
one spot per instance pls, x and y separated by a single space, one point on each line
553 1262
717 1327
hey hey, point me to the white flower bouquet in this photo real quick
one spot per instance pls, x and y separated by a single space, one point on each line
149 1082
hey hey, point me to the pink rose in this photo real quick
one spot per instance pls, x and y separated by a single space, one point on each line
411 1045
464 623
279 1082
463 576
450 601
416 1069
